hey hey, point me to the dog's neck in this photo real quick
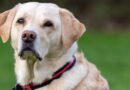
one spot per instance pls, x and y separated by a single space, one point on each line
38 71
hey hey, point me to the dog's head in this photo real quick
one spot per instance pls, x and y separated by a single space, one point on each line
39 29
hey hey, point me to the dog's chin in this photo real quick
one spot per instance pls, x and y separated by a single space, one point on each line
29 54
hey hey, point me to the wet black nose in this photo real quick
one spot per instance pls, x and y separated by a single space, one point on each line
28 36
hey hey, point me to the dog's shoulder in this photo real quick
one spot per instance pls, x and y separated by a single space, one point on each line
93 79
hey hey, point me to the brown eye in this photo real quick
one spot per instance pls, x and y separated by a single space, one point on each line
21 21
48 24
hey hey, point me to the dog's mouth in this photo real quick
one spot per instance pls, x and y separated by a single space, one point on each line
29 53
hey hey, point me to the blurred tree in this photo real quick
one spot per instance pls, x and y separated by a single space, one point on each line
99 14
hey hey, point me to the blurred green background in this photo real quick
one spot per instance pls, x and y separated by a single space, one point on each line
106 42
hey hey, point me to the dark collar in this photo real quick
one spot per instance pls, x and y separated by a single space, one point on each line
55 75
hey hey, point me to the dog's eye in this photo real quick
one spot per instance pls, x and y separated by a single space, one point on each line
48 24
21 21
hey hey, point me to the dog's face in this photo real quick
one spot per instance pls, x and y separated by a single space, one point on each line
39 29
35 29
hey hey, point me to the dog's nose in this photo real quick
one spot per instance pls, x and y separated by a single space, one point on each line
28 36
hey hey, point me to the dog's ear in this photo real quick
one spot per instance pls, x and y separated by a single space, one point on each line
6 19
72 29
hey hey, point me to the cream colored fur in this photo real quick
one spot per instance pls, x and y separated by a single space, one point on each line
56 45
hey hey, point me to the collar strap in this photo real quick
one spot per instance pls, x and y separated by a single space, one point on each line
56 75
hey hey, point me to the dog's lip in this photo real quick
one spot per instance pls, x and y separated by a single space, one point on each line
31 50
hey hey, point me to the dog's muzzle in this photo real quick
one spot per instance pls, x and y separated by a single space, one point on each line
28 51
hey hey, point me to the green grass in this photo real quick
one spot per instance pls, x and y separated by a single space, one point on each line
110 53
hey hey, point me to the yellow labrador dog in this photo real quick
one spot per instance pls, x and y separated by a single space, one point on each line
43 37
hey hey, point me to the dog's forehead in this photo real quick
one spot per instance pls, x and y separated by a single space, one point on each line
48 9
